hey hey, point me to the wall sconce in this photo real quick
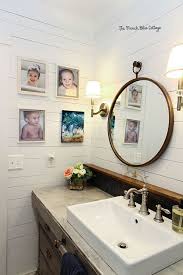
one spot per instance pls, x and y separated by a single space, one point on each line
175 70
93 91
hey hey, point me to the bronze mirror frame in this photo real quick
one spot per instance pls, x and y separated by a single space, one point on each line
170 126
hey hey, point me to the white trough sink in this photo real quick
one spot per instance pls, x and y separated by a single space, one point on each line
104 224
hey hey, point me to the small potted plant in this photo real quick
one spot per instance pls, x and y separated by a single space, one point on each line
77 176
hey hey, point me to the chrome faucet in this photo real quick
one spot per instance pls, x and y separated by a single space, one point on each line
144 192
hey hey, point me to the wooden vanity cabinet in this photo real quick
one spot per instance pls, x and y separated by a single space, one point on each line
52 249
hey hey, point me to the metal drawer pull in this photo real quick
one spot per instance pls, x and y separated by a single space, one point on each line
57 243
48 254
62 249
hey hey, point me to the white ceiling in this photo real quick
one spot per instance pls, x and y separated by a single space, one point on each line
91 10
92 14
89 17
76 15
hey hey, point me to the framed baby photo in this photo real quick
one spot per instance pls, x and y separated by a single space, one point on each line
72 126
31 125
134 94
32 77
131 131
67 82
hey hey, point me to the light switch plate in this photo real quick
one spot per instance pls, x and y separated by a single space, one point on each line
15 162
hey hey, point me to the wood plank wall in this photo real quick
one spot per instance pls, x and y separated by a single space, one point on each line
32 39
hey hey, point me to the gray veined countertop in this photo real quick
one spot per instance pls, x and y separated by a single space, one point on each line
56 199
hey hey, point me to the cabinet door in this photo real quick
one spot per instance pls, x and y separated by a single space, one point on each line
50 254
53 248
43 266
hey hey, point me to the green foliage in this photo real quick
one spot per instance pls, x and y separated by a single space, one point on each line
85 177
73 119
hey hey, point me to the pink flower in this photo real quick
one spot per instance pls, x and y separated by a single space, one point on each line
68 173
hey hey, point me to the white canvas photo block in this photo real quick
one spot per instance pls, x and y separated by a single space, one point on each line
32 77
31 125
67 82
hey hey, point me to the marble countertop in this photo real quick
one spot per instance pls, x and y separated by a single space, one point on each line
56 199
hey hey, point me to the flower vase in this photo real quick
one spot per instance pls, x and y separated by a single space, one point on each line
76 185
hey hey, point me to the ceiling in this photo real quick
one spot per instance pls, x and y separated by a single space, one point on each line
92 14
77 15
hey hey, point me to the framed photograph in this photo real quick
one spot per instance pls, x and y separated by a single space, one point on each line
32 77
72 128
31 125
134 95
67 82
132 131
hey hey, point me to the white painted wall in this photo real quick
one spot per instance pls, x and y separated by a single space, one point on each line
4 57
33 39
116 52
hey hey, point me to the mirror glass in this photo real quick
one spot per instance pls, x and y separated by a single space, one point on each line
140 122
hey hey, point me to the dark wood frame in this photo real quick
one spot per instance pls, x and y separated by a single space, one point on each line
132 182
170 126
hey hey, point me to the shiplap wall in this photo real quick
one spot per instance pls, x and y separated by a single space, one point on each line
33 39
116 52
4 57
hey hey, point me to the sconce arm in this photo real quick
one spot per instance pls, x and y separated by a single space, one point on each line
103 110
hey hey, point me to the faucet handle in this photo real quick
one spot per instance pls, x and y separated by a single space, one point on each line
166 211
158 216
125 195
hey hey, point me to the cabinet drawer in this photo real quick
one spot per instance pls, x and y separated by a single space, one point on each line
50 253
43 266
48 231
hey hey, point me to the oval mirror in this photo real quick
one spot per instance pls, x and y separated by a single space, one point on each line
140 122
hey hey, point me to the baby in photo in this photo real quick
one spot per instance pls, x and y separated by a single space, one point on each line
32 130
135 96
67 85
33 75
131 135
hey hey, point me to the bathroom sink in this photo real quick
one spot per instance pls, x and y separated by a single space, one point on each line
129 243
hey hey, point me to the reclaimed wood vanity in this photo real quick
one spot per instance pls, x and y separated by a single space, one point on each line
56 235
